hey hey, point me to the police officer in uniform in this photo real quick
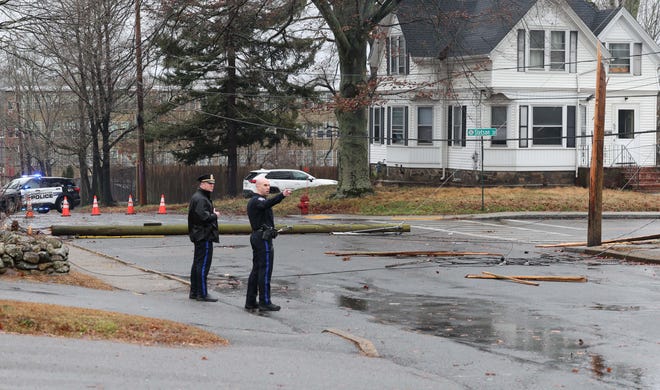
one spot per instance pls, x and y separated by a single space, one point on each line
203 232
260 213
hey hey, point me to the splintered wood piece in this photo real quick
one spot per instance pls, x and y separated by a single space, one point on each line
365 346
511 279
541 278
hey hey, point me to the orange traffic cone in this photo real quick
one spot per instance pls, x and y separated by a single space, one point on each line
29 213
161 208
130 210
95 207
65 208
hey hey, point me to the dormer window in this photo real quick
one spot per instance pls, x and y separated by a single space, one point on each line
622 61
397 56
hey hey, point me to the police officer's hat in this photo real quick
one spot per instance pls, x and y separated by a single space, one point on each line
208 178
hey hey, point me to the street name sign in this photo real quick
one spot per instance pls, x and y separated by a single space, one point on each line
483 132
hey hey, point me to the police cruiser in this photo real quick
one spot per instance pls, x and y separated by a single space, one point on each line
45 193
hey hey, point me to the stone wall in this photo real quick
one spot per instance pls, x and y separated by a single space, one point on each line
32 253
470 178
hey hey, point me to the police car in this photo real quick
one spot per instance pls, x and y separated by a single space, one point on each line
45 193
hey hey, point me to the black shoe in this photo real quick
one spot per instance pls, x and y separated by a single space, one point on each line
208 298
268 307
192 296
251 306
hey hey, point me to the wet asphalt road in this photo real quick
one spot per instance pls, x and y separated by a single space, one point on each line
432 327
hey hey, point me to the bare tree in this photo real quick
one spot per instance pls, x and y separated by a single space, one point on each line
89 46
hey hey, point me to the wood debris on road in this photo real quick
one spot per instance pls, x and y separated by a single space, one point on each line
413 253
511 278
540 278
618 240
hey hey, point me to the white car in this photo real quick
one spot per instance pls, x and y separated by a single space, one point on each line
281 179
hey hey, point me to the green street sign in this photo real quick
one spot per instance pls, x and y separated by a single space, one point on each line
485 132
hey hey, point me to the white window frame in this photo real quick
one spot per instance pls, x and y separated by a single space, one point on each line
397 55
542 50
635 119
398 130
535 50
535 126
424 126
500 139
558 49
621 62
630 64
377 133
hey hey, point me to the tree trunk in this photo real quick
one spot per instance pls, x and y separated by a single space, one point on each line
232 144
353 152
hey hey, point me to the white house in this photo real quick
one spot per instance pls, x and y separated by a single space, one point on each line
526 68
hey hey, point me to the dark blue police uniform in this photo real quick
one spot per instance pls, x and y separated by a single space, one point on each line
260 213
203 232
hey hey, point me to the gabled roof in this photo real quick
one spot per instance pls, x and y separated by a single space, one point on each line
442 28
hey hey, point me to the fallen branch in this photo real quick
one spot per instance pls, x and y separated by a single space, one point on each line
640 238
541 278
413 254
365 346
511 278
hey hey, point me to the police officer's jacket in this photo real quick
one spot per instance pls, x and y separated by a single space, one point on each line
260 212
202 221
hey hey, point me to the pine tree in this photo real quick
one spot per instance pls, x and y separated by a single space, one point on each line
235 61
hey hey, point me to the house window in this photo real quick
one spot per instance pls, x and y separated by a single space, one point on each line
521 50
424 125
547 125
398 125
562 45
571 126
620 62
536 49
397 55
498 121
524 126
557 50
626 125
456 118
376 116
572 54
637 59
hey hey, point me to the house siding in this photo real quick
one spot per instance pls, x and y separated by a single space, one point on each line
495 79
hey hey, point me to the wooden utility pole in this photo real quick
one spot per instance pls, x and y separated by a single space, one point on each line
139 92
596 170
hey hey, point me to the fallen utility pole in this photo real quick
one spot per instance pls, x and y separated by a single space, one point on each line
540 278
413 253
627 239
180 229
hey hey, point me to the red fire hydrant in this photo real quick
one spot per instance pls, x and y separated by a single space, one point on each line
304 204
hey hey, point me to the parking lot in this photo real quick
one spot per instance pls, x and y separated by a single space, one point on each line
423 315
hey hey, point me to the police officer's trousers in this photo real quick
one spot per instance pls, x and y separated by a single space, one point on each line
262 269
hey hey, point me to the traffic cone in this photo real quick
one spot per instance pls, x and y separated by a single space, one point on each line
95 207
65 208
130 210
161 208
29 213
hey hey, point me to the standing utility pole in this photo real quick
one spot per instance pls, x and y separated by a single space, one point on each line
596 170
141 178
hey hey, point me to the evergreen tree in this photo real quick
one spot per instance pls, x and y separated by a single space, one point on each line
234 61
